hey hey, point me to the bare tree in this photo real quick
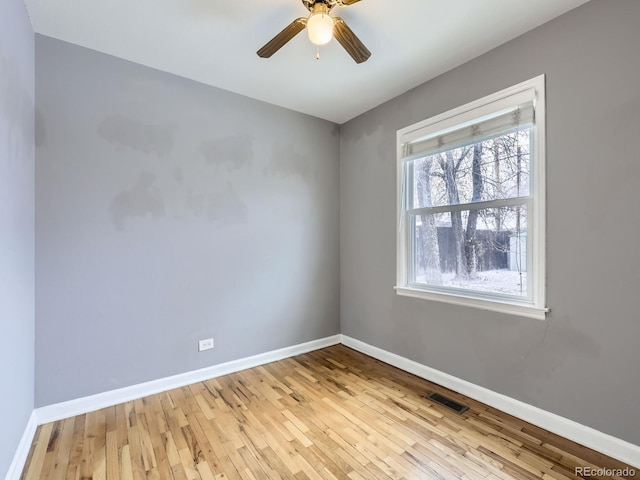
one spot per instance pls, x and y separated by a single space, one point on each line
491 169
450 166
428 248
471 243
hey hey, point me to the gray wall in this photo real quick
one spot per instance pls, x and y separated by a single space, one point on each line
582 363
16 225
168 212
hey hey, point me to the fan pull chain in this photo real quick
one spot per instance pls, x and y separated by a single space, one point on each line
318 52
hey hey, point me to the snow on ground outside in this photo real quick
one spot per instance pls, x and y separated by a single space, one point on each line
496 281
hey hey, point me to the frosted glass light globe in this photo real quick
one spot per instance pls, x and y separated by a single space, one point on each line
320 28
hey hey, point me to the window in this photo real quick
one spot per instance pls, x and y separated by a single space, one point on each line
471 203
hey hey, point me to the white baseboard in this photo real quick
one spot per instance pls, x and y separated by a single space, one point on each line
20 457
587 436
79 406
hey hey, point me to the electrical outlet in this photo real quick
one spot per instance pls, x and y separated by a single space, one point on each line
206 344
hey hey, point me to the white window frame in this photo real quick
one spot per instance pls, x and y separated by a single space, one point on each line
534 307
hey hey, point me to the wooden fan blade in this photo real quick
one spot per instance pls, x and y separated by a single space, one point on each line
277 42
349 41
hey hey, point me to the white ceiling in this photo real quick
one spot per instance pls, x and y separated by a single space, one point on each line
214 42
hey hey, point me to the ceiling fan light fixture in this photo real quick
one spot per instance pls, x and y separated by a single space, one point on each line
320 25
321 28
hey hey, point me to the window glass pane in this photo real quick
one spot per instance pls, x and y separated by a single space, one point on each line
493 169
477 250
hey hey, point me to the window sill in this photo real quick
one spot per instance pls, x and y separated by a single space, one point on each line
519 309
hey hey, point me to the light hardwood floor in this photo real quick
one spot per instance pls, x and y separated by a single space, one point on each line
332 413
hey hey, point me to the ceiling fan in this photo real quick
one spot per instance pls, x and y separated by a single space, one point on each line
321 28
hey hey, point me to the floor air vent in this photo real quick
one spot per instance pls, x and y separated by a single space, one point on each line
447 402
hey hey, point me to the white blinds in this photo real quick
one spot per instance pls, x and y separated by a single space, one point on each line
516 118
